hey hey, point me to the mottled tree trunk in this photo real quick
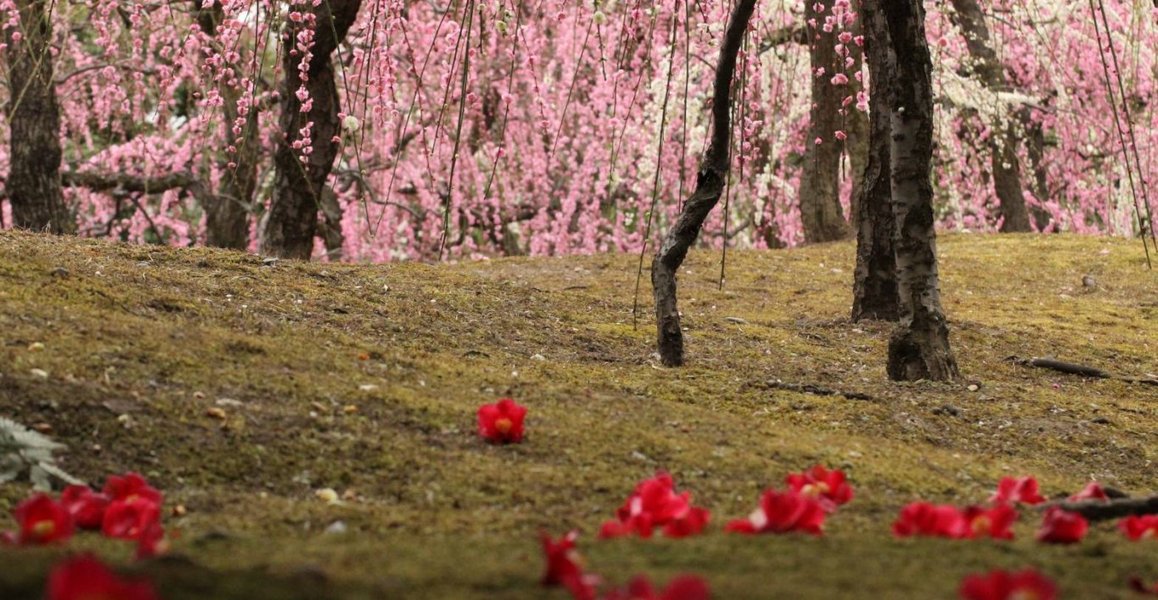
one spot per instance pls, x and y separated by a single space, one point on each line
227 211
819 182
856 124
301 178
875 278
919 348
1035 151
1003 139
709 186
34 124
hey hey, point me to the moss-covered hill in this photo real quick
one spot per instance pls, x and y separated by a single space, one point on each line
241 388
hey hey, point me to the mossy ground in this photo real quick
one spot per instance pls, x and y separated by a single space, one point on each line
139 343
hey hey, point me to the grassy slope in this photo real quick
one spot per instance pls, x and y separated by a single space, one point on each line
139 342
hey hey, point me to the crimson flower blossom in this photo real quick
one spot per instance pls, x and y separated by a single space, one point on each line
830 488
1092 491
938 520
42 521
128 519
502 422
1006 585
130 485
683 587
151 541
563 560
1062 527
86 506
86 577
782 512
1017 489
654 503
1137 527
995 522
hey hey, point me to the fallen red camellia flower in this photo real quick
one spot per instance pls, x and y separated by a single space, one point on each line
151 542
128 519
782 512
42 520
1092 491
1140 586
926 518
683 587
85 577
502 422
1006 585
1137 527
129 486
654 503
563 560
995 522
1061 527
829 487
86 506
1017 489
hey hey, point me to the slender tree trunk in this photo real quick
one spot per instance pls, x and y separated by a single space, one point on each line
227 211
919 348
1003 140
34 124
856 124
875 278
301 177
709 186
819 183
1035 151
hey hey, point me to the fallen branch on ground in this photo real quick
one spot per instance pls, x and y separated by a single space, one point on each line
1076 369
816 390
1105 510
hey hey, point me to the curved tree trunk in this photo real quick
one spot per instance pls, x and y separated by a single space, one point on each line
301 178
875 278
709 186
819 182
1003 142
919 348
227 211
34 122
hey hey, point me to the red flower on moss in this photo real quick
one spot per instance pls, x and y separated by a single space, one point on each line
1092 491
502 422
782 512
654 503
86 506
996 522
42 520
85 578
1017 489
1062 527
152 542
129 519
1140 586
129 486
938 520
683 587
1137 527
1006 585
563 560
829 487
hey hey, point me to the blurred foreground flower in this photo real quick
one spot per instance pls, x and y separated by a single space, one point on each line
829 487
782 512
654 503
1062 527
502 422
42 520
85 577
1012 490
683 587
1006 585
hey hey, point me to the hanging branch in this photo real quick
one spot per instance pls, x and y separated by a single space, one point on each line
709 186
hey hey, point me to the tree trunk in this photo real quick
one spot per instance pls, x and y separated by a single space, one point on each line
1003 138
819 183
875 278
919 348
856 124
34 124
301 177
227 211
1035 151
709 186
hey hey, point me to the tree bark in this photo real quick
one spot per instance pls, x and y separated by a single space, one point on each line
875 278
919 348
227 211
709 186
857 126
1003 136
819 192
33 184
301 178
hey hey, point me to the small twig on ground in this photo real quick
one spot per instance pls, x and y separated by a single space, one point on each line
1076 369
1104 510
808 388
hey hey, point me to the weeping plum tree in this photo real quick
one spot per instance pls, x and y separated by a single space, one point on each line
919 348
709 186
309 124
33 184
